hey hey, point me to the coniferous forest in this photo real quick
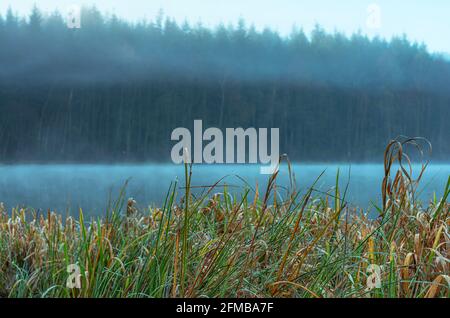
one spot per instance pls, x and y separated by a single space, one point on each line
113 91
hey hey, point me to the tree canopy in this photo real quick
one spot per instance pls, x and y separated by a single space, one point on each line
114 90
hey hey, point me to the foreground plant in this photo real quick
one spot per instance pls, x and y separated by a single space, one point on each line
218 245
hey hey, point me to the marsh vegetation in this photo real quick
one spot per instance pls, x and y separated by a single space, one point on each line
218 245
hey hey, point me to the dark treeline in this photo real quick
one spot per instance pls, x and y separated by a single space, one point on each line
114 91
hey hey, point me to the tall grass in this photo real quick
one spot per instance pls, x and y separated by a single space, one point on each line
219 245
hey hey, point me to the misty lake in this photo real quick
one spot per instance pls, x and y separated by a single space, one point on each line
65 188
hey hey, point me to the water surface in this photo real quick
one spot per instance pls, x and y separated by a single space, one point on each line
65 188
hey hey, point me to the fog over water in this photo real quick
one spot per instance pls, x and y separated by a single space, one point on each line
65 188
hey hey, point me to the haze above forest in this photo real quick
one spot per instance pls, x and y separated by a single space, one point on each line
107 49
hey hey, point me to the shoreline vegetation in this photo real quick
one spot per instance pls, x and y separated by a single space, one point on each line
216 245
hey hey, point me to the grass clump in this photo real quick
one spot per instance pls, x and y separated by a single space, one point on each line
218 245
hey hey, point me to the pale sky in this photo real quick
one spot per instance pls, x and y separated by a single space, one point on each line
421 20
